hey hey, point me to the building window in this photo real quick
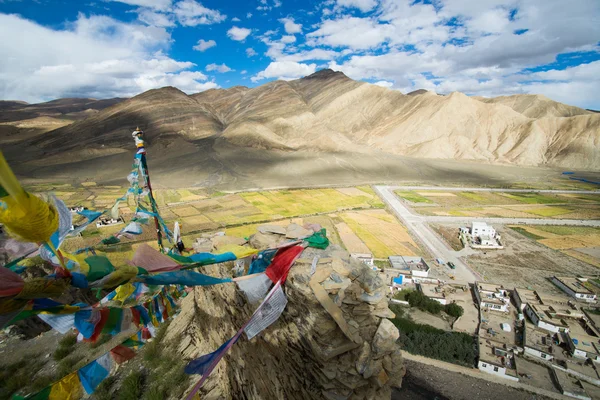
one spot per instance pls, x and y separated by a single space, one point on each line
495 369
543 355
483 365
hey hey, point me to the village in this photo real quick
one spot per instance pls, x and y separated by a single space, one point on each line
548 340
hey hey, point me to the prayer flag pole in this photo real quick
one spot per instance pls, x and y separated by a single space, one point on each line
139 143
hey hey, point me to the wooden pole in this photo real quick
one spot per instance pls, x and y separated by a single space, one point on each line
144 166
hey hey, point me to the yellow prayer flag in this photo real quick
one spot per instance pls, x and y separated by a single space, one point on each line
68 388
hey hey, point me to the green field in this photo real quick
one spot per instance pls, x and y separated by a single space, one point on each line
413 197
535 198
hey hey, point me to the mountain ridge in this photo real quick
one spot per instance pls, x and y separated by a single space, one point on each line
323 113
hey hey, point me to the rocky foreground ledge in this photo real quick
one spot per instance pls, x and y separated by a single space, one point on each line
333 340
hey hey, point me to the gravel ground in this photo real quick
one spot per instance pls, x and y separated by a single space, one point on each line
427 382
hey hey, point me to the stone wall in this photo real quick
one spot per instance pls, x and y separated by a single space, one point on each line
333 340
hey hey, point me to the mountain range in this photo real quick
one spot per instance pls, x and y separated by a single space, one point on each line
324 115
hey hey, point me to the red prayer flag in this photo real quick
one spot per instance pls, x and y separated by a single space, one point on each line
122 353
98 328
282 262
135 317
146 334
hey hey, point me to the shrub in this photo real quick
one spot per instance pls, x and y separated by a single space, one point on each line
423 303
425 340
454 310
131 388
61 352
66 366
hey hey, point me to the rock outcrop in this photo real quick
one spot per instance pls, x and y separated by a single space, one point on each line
331 341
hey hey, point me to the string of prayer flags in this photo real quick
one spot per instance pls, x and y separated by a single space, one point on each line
254 286
187 278
11 283
94 373
282 262
262 261
152 260
266 313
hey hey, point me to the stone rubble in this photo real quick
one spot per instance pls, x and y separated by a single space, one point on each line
333 340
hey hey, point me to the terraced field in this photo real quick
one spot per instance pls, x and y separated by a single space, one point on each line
582 243
505 205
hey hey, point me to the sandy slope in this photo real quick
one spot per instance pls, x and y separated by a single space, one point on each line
325 116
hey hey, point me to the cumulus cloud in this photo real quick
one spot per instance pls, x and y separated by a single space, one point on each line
156 4
384 84
238 34
94 57
366 33
288 39
193 13
219 68
154 18
235 19
250 52
478 47
290 26
243 72
249 15
285 70
362 5
204 45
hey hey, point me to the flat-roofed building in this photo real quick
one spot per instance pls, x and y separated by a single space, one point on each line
415 266
366 258
576 287
492 296
479 229
582 342
538 343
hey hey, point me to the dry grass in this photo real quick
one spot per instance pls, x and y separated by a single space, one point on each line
382 237
351 241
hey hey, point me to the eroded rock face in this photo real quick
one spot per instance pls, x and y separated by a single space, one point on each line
342 350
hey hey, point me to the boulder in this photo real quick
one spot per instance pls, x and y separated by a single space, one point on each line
202 245
276 229
264 240
385 338
220 241
295 231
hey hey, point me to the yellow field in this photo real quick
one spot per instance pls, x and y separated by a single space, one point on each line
352 243
436 194
568 240
382 234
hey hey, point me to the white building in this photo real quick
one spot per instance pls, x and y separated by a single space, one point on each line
479 229
492 297
366 258
538 343
415 266
576 287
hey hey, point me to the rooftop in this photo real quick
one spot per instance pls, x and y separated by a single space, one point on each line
408 263
480 225
538 338
489 287
491 327
578 285
582 338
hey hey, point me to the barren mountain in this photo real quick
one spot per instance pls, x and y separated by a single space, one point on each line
325 116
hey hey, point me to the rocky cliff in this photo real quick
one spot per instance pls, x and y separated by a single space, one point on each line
333 340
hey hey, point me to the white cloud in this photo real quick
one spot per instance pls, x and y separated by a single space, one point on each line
235 19
153 18
93 57
204 45
192 13
266 7
362 5
156 4
238 34
244 72
288 39
250 52
249 15
290 26
384 84
285 70
308 55
365 33
219 68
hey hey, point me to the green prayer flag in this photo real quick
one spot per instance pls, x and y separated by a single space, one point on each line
100 266
113 321
318 240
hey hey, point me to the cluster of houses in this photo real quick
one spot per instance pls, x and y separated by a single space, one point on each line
559 331
520 326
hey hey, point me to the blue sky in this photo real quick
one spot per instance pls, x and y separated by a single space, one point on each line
109 48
